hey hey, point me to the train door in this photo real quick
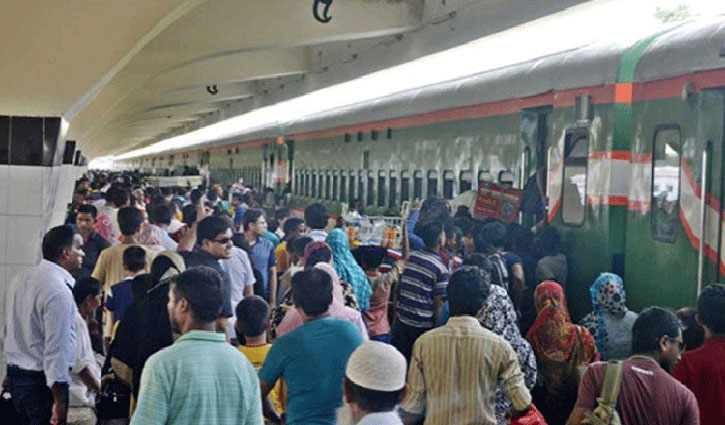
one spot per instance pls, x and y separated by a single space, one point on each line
710 139
534 131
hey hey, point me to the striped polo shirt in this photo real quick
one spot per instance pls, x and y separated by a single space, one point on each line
424 278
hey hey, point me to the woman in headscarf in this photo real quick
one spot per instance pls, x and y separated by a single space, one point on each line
610 323
145 327
499 316
315 253
561 348
319 255
347 268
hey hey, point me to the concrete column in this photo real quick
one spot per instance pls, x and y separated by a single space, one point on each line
33 192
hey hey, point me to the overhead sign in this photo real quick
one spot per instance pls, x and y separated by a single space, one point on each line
496 201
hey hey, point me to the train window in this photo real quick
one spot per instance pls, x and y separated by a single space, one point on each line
404 186
449 181
351 188
418 185
432 184
466 181
306 177
343 188
334 186
666 151
313 186
320 185
485 176
360 186
381 189
574 191
370 199
328 186
506 177
393 191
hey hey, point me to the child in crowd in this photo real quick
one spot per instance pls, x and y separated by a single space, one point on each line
134 263
252 323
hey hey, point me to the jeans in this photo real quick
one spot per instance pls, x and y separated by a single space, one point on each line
32 398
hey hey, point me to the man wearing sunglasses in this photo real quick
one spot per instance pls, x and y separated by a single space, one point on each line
648 394
213 243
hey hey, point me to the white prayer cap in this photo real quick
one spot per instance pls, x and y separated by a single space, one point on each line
377 366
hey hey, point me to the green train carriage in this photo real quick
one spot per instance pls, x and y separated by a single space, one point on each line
622 128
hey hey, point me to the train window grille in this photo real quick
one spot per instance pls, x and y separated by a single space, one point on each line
665 201
328 186
320 185
418 185
574 185
381 189
466 181
485 176
404 186
360 186
448 184
313 191
307 184
296 185
351 188
370 199
343 188
432 184
334 187
393 191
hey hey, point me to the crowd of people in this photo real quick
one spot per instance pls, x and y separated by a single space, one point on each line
213 305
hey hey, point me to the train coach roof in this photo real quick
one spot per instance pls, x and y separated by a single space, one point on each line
693 47
589 66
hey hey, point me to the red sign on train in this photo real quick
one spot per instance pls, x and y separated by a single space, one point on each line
495 201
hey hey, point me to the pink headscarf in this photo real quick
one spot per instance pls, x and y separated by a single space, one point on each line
338 310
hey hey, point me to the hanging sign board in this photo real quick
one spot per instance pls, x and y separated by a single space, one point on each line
496 201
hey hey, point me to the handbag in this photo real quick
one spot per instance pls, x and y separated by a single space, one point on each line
606 411
7 409
114 400
532 417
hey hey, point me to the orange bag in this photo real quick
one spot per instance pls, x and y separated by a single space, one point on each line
532 417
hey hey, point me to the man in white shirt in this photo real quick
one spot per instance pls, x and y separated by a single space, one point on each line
38 337
241 276
161 218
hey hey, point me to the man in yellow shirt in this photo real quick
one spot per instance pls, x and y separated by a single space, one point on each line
252 322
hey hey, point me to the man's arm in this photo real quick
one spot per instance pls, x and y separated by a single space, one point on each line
414 402
267 407
152 407
58 349
512 381
273 287
249 290
89 380
517 284
577 416
437 308
59 412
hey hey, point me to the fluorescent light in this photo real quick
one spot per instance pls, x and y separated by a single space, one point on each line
573 28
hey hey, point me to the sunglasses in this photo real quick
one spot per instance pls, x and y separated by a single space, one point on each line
222 241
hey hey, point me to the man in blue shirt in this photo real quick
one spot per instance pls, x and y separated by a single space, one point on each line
312 358
261 252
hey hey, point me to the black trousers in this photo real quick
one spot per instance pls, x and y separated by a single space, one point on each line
32 398
403 337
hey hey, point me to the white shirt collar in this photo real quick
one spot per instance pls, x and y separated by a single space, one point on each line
60 271
381 418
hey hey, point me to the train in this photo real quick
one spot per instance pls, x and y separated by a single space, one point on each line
629 135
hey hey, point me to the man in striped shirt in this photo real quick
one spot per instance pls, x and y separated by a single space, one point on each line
422 290
454 369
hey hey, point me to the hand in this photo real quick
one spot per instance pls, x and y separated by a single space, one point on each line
60 414
416 204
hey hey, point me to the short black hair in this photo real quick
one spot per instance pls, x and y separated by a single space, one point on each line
210 227
84 287
56 240
291 224
282 213
316 216
238 195
161 214
711 308
312 291
433 208
134 258
299 245
130 220
465 224
88 209
203 289
369 257
371 400
430 233
652 324
252 315
251 215
466 291
693 334
492 235
548 242
323 254
118 196
212 195
195 196
189 214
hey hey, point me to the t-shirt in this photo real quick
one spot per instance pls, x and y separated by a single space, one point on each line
312 360
262 256
283 257
703 372
425 277
648 394
271 237
198 258
119 299
256 355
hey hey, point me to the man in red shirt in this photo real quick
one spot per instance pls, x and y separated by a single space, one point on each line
648 394
703 370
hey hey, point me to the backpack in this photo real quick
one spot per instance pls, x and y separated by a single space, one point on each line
499 272
606 411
